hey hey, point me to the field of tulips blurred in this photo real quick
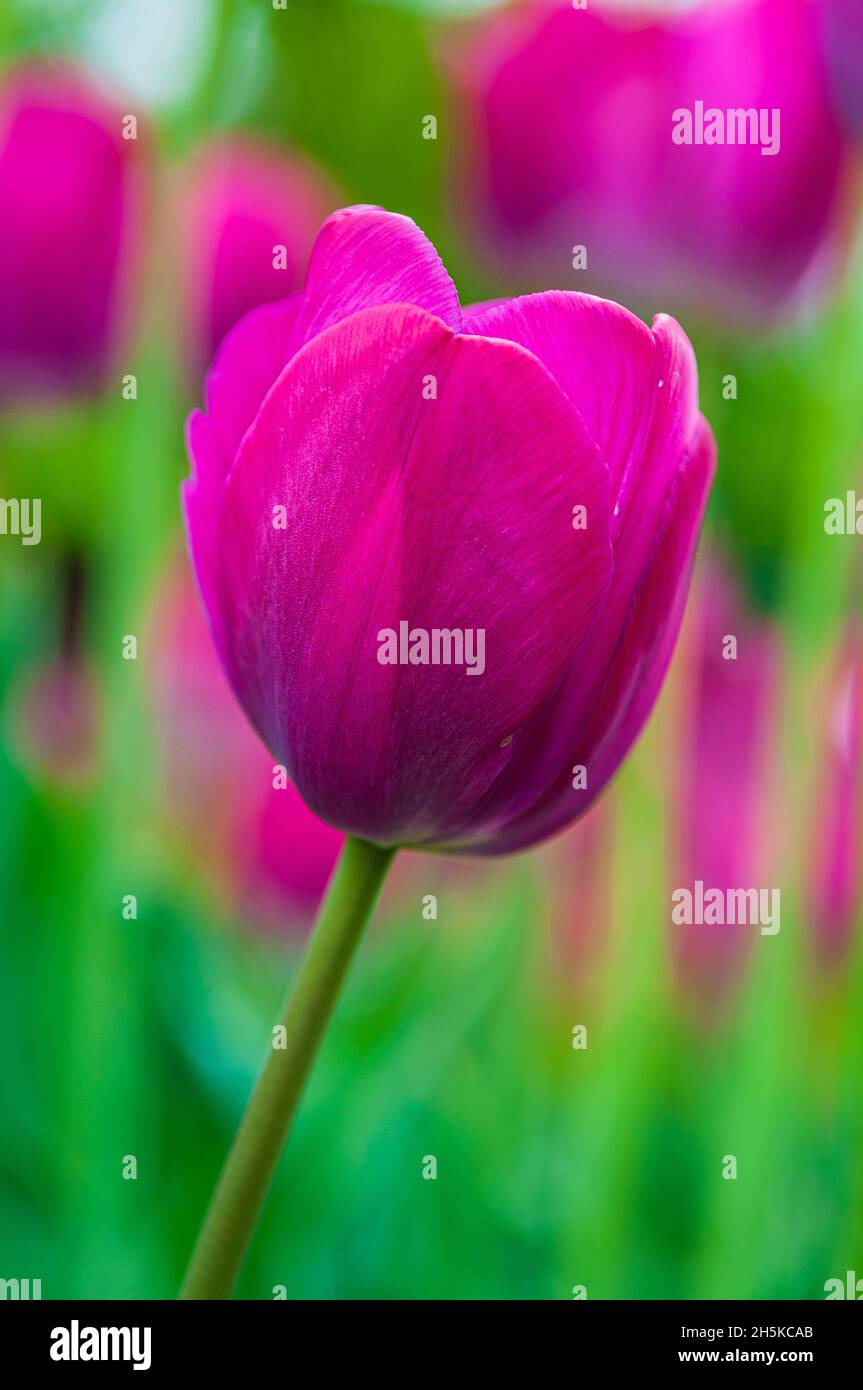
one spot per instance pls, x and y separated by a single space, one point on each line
541 1081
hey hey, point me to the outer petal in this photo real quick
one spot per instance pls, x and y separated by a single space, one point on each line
362 257
604 358
633 673
253 354
365 256
637 392
645 419
471 312
405 508
251 357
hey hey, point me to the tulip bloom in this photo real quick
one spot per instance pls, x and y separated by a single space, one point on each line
444 555
571 117
374 460
250 217
726 751
68 195
834 872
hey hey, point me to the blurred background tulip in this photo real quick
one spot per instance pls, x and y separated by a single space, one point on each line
70 210
570 131
245 825
728 743
834 874
251 213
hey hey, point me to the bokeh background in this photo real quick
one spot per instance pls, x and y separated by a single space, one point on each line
156 889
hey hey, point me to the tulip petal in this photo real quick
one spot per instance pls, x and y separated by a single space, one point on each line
645 647
251 357
402 505
471 312
632 670
365 256
603 357
202 501
613 368
637 392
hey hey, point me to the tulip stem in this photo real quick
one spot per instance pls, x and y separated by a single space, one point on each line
242 1188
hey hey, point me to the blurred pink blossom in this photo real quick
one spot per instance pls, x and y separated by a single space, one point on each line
260 841
250 215
834 879
569 122
70 212
727 746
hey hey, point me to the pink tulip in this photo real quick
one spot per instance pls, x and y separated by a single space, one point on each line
251 214
263 842
382 481
283 854
570 120
726 751
69 209
834 873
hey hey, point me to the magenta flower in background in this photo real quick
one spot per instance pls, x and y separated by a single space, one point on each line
834 880
726 752
570 116
250 216
283 855
377 466
69 214
262 844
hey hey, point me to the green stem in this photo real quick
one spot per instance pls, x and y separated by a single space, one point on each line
237 1201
